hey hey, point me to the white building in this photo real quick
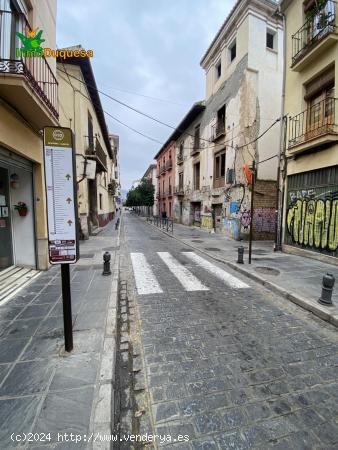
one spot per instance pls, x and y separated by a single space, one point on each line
244 73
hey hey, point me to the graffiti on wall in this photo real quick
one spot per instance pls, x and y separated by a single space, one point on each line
314 222
264 220
245 219
206 222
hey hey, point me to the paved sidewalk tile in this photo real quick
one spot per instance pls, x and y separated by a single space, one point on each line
43 389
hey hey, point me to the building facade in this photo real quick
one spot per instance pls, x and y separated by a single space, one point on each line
115 183
310 222
81 110
28 102
166 166
244 74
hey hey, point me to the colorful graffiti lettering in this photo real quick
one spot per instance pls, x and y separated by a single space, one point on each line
314 223
264 220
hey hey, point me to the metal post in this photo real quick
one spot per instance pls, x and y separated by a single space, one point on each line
167 225
240 251
67 307
253 171
327 290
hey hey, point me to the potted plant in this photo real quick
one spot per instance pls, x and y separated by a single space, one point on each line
22 209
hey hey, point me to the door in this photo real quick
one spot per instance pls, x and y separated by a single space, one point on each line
6 243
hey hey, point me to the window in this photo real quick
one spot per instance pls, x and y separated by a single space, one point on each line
180 181
100 201
218 70
197 137
270 39
90 132
219 169
319 95
220 124
232 51
181 153
197 176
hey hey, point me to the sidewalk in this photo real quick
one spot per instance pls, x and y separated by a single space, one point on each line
42 388
296 278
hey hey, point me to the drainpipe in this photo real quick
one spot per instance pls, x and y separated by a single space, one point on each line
281 153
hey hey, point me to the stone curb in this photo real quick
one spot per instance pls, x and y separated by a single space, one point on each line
317 309
103 417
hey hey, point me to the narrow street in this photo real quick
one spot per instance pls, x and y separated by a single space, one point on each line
228 364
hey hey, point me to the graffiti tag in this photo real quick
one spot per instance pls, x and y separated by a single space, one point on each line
264 220
314 223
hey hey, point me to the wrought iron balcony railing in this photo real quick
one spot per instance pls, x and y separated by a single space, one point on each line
316 121
179 158
195 147
218 131
162 169
35 69
169 164
319 25
179 191
95 149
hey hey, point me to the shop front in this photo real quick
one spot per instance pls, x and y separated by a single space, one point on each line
17 224
312 211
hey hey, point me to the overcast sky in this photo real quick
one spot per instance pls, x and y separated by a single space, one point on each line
148 47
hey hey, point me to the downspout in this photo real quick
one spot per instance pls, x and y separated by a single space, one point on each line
281 153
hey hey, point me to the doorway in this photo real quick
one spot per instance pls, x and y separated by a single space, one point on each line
6 243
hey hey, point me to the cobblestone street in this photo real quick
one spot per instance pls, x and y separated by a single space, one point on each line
229 365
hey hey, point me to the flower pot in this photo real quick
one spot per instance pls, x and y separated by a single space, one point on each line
23 212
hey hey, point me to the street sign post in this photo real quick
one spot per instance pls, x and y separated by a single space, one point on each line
63 247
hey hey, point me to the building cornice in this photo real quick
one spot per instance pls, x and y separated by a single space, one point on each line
235 17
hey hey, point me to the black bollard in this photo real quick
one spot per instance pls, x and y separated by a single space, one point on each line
240 250
327 290
106 264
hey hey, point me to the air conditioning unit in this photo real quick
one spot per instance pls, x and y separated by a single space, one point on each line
230 178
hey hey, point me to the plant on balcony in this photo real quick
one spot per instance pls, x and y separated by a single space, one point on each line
112 187
319 7
22 208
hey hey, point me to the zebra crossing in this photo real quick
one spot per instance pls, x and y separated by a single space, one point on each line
147 283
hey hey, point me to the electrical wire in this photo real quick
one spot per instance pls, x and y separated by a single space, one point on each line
115 118
159 121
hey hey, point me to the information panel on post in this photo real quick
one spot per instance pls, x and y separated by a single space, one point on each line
60 176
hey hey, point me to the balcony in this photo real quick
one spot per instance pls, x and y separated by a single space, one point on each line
195 147
314 127
317 34
217 131
26 83
179 191
162 169
180 158
169 164
95 150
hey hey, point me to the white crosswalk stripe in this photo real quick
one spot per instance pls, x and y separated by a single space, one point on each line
184 276
230 280
146 282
